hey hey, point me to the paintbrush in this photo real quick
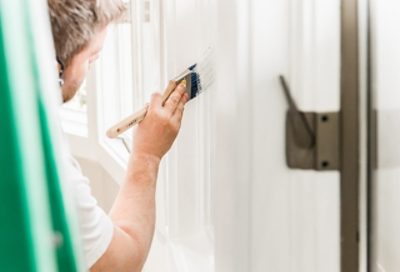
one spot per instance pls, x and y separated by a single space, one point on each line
198 77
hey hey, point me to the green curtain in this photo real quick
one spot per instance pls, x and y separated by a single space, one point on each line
37 224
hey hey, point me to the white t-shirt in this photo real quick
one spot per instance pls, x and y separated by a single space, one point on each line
95 226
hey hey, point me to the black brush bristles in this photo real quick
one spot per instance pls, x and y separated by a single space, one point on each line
199 76
195 84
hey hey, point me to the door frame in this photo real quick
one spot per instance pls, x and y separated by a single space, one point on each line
350 137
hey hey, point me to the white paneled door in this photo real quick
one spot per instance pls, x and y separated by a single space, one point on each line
269 217
226 199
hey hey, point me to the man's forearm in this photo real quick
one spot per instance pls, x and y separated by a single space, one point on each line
133 212
134 209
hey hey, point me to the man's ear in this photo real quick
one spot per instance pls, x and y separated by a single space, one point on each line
60 66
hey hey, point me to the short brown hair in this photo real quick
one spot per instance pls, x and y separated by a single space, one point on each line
74 22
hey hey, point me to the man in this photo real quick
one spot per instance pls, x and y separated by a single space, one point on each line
121 240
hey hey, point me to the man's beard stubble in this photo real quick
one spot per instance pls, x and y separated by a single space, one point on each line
69 90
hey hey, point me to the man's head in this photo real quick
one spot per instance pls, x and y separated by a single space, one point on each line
79 28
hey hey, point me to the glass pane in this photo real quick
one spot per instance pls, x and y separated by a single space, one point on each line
115 80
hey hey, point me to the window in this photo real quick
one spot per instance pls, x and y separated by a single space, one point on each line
129 70
115 86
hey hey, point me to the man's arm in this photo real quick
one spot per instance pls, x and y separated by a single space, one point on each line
133 212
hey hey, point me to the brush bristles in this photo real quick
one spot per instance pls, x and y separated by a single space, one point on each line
203 74
196 85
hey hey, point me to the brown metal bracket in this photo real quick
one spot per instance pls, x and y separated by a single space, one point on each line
312 139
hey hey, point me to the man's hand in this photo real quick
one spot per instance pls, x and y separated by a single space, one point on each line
157 132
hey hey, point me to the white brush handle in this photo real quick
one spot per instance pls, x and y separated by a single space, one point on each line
138 116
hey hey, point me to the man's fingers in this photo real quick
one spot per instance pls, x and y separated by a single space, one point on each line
156 101
178 114
173 100
182 102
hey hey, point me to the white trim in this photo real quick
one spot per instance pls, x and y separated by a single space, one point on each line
364 55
